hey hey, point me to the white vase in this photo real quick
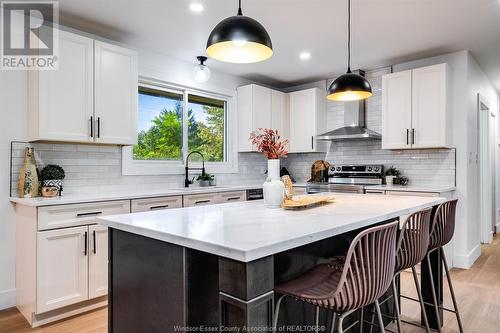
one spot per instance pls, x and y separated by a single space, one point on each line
273 188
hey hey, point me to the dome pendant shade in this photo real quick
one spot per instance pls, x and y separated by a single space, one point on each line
349 87
239 39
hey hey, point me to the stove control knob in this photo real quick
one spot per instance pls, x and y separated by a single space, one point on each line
369 168
339 168
376 169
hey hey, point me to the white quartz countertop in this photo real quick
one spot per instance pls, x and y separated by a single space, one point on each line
413 188
247 231
95 197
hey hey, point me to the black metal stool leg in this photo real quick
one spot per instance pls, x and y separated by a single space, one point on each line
433 292
452 292
421 300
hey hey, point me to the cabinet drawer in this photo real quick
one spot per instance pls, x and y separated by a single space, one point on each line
200 199
146 205
412 194
233 196
79 214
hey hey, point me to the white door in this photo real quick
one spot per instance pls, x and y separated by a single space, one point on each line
65 96
98 261
302 120
429 106
62 268
396 110
116 84
261 107
279 114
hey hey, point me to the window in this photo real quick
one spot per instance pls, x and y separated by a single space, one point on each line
173 122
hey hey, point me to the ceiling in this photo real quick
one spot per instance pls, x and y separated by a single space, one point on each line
384 32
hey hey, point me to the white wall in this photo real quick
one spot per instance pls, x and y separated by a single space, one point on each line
467 79
13 97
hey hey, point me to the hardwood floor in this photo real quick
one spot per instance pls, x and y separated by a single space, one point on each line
477 290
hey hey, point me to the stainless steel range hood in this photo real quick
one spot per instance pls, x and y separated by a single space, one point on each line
354 124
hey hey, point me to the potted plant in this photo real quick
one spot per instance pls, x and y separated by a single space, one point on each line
269 142
206 179
53 176
390 174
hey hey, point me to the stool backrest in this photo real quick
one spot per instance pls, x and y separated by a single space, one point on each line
413 240
443 224
369 267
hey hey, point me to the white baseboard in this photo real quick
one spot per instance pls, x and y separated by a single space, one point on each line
466 261
7 298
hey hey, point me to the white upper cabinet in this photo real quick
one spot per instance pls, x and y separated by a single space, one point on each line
415 109
396 110
429 106
307 120
92 97
115 93
279 114
61 101
254 111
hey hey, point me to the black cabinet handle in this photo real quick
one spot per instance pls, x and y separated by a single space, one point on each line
158 207
98 127
85 243
412 136
407 136
312 141
91 126
95 248
233 198
88 214
201 201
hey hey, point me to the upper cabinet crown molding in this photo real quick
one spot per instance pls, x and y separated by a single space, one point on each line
92 97
415 108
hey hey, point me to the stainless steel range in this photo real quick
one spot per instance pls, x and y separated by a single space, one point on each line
348 179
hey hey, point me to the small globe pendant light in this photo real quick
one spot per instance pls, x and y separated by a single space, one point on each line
201 72
350 86
239 39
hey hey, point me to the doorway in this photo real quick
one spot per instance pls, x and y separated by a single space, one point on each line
486 169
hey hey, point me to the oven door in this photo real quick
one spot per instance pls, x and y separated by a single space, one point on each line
342 188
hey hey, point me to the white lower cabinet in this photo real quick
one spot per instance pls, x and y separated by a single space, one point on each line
200 199
149 204
233 196
62 268
98 261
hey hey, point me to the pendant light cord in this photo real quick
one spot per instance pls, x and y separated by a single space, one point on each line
239 8
348 36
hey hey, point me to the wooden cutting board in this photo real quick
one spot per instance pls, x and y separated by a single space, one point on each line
306 202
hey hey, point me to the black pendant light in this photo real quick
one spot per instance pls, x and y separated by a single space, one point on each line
239 39
350 86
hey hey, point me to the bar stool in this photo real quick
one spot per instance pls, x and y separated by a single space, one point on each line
411 249
443 227
347 286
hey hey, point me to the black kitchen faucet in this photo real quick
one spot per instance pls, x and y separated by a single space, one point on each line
187 168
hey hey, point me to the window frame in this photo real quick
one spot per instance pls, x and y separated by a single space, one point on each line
176 167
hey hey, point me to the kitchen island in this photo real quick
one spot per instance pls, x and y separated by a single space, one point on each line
203 267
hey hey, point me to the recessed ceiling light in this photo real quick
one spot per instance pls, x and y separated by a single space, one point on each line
196 7
305 55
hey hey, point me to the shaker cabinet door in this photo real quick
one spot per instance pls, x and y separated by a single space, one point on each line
302 121
116 90
61 101
396 110
62 268
98 261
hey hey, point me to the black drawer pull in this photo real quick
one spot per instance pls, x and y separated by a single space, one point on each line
201 201
158 207
88 214
85 243
95 247
233 198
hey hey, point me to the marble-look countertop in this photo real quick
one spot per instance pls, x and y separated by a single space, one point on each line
247 231
413 188
96 197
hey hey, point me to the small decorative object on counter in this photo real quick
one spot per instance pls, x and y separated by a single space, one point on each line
401 180
289 191
50 191
269 142
53 176
308 201
390 174
28 185
206 179
319 171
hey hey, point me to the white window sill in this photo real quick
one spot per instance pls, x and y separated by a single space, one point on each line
132 167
